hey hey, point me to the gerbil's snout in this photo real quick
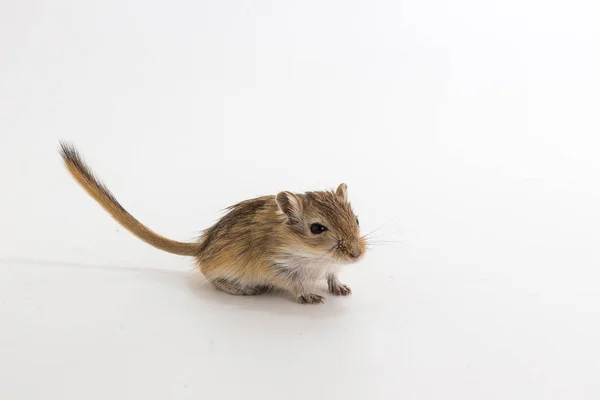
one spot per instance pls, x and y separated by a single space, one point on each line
357 252
352 250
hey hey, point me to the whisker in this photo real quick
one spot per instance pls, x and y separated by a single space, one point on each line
379 241
369 245
375 230
381 234
325 254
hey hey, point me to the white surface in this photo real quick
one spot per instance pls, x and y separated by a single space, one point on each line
470 129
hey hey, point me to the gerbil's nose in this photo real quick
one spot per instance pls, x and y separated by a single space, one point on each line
355 254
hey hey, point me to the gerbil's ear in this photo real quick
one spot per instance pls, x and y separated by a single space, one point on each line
342 191
290 205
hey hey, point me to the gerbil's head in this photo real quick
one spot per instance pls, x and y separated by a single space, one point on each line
324 224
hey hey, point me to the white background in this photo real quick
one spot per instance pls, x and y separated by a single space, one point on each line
469 130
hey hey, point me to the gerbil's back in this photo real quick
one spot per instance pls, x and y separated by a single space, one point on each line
244 238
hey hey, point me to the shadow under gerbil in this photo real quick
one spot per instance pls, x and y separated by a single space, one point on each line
271 302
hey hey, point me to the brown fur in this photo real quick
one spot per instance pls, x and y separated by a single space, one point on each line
260 244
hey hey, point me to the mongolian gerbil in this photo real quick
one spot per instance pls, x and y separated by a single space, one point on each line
287 241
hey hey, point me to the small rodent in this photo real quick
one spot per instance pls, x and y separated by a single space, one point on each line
283 242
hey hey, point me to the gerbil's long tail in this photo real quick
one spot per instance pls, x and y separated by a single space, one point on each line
83 175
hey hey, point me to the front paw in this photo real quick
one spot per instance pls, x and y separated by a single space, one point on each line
340 289
310 299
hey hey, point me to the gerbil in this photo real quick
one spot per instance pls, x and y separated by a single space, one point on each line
287 241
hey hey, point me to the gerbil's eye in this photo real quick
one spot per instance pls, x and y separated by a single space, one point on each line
357 223
317 228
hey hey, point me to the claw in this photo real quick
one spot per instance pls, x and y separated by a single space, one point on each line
311 299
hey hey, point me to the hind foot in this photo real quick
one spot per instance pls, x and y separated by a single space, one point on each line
237 289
